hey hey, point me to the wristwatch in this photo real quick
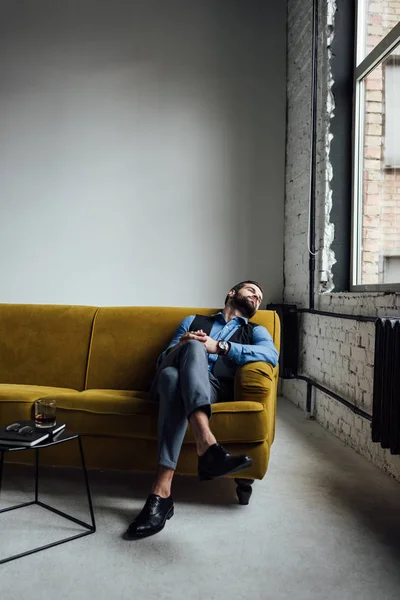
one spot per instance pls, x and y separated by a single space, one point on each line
223 347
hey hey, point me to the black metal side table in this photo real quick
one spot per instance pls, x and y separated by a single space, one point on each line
60 438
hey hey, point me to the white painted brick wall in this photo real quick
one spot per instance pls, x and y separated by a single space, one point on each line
338 353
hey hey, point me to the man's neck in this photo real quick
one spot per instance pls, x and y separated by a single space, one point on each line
230 312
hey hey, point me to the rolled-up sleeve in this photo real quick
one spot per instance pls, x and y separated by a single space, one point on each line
262 349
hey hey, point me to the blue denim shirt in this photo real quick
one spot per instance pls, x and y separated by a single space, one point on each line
263 347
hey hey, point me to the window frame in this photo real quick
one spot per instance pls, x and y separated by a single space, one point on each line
391 64
361 70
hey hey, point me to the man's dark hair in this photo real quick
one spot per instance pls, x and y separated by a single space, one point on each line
239 286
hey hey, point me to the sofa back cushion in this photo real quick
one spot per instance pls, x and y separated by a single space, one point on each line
127 341
45 344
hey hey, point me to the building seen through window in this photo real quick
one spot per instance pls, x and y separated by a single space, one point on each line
377 168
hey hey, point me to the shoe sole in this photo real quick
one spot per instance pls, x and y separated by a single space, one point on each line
139 536
205 477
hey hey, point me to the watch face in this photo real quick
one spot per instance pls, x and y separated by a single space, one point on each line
223 346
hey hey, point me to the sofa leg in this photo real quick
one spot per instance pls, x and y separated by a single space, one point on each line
244 490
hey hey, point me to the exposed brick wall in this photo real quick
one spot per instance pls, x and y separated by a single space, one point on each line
336 353
381 187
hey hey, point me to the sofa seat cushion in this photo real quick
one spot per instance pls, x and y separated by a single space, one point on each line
131 414
16 400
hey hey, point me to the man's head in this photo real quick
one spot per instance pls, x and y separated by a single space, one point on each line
245 296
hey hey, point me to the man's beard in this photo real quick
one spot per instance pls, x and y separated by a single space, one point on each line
244 304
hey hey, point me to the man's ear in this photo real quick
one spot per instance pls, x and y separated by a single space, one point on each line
232 293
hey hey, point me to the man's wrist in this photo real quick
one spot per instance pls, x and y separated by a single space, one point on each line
223 347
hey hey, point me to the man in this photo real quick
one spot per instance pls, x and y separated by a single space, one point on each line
197 370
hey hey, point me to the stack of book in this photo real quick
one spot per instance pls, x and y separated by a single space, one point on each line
25 433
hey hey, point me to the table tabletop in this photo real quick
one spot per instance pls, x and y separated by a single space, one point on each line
63 436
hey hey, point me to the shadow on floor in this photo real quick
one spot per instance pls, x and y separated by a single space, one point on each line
118 486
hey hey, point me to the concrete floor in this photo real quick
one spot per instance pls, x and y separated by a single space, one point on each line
324 524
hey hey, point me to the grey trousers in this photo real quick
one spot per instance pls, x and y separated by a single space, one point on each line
182 385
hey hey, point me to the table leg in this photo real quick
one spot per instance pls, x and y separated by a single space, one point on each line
89 497
36 476
90 528
1 467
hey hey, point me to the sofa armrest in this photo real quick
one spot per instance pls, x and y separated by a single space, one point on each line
257 382
253 382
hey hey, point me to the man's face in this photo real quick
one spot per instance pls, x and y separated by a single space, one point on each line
247 299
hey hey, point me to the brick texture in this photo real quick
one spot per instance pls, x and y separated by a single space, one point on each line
381 185
335 352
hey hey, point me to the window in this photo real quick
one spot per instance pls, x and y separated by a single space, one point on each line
376 191
390 267
392 110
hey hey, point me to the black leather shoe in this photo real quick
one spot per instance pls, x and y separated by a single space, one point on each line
217 462
152 517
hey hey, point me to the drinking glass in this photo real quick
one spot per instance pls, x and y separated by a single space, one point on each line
45 413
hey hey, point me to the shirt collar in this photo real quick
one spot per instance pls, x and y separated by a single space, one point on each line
220 313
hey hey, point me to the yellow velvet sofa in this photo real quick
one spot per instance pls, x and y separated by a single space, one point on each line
98 362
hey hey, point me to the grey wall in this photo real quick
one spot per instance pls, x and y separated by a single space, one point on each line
141 150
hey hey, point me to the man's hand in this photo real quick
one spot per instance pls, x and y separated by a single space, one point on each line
211 345
199 335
